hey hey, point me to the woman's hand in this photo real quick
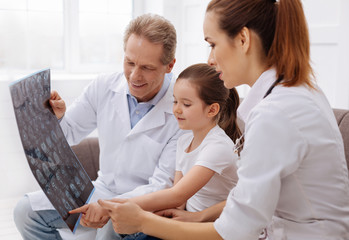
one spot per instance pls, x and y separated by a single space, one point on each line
125 215
93 215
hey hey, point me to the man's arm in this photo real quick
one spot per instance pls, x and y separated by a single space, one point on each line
80 119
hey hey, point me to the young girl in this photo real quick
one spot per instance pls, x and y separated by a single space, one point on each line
205 161
293 178
205 158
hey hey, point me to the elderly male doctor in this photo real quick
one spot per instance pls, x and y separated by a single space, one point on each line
137 130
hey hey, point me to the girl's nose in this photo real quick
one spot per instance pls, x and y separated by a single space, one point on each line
176 109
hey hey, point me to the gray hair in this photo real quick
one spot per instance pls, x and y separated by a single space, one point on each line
157 30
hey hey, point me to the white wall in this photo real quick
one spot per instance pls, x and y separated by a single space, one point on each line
16 175
329 34
328 23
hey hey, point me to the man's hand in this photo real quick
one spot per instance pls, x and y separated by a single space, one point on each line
93 215
180 215
57 104
125 215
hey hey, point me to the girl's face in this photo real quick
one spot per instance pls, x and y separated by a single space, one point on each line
191 112
225 55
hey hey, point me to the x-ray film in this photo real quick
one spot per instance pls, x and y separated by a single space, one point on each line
52 161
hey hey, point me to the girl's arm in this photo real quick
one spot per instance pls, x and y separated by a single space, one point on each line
129 218
178 176
185 188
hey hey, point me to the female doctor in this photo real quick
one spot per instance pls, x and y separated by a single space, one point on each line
293 178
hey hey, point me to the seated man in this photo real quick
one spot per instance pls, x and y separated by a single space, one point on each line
132 111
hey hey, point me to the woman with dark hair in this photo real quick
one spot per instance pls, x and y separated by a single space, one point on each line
293 179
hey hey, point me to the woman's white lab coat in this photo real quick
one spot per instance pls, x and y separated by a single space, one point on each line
293 178
132 161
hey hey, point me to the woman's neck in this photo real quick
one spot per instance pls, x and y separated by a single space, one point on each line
258 61
258 70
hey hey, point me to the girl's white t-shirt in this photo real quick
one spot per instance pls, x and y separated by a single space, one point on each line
216 153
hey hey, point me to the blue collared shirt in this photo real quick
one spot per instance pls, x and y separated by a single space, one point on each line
138 110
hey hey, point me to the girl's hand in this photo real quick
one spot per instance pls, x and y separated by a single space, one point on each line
125 215
180 215
93 215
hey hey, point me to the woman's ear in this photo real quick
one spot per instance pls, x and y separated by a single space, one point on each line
213 110
244 38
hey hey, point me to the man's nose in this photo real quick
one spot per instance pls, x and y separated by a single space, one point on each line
135 74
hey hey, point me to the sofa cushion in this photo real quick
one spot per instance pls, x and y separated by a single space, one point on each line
87 151
342 117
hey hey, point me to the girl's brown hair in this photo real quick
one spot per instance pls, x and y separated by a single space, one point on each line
282 29
211 90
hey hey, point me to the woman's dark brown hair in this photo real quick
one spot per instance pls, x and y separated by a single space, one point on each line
211 90
282 29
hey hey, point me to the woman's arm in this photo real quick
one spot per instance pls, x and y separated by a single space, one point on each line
129 218
185 188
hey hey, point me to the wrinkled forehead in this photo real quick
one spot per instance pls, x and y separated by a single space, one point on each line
143 51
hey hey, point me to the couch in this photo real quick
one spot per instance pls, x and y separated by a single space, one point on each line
88 150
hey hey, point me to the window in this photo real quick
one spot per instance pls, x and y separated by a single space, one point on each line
65 35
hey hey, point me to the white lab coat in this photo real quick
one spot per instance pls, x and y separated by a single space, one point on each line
132 161
293 178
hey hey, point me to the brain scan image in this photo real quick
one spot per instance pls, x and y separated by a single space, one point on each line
50 158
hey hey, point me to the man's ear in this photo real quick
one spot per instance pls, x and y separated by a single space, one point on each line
213 110
170 66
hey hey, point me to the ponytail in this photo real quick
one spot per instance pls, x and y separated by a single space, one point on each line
227 118
290 50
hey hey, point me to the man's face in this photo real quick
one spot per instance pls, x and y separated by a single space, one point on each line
143 69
